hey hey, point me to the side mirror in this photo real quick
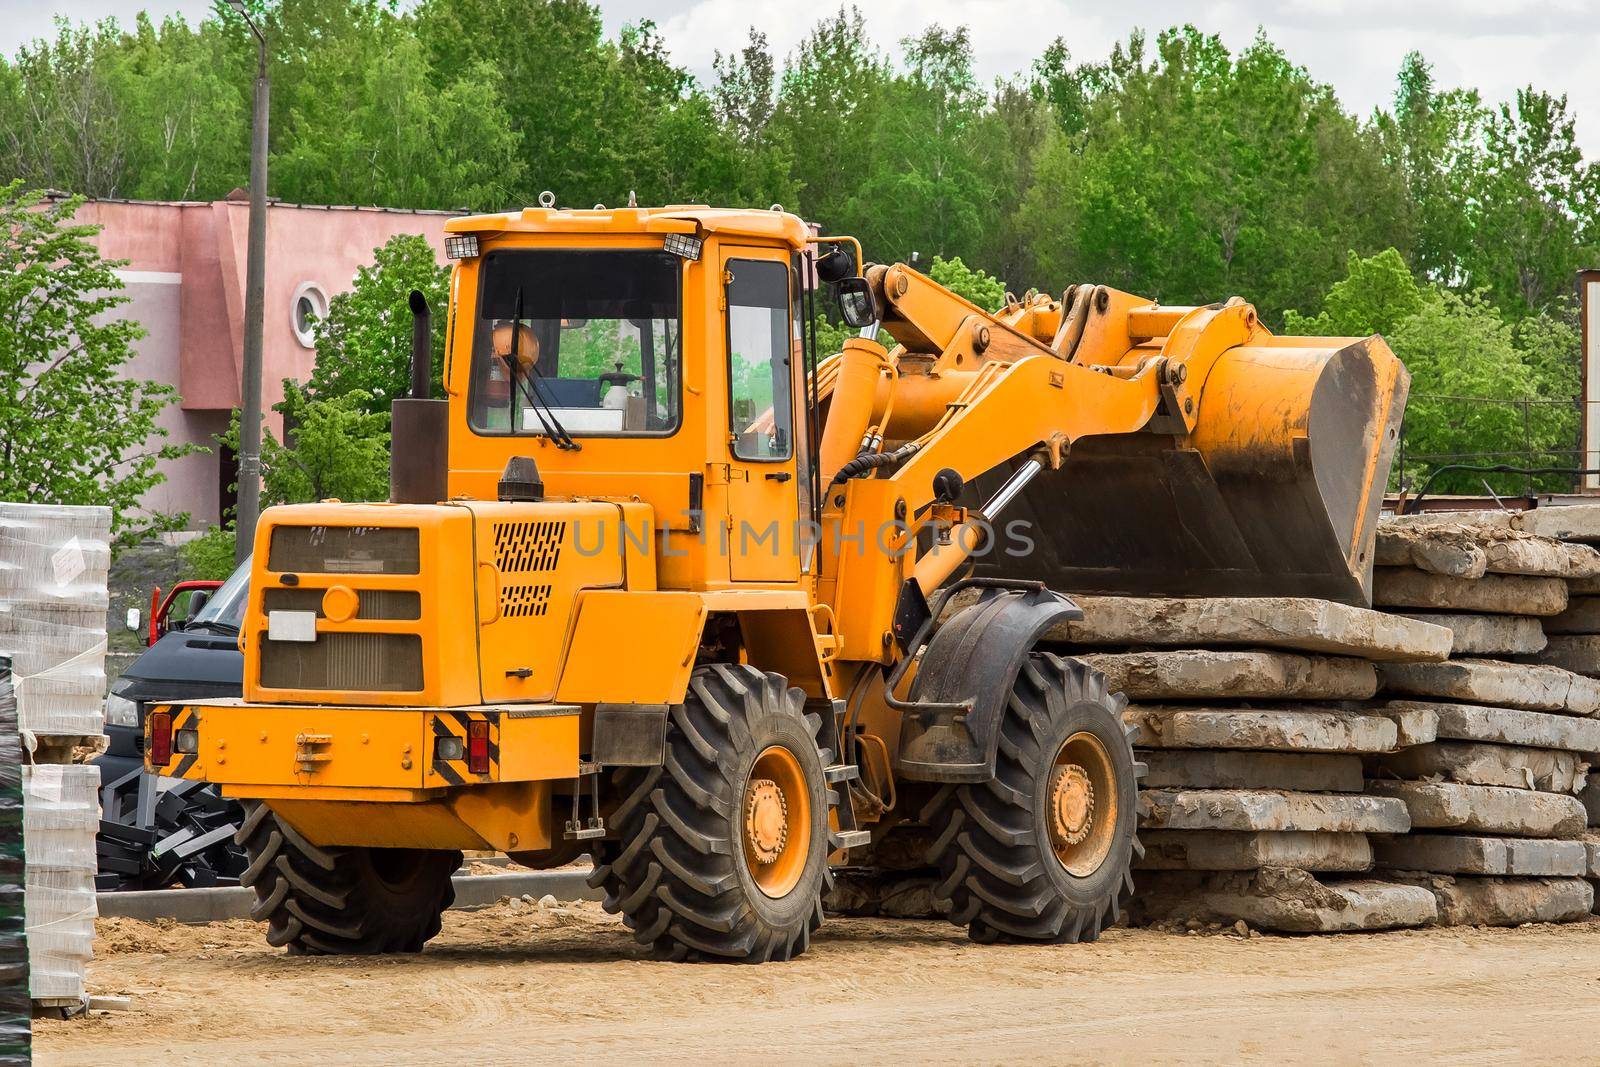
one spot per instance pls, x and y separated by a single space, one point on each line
135 617
857 306
197 600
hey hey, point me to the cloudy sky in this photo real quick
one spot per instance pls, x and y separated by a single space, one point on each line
1356 45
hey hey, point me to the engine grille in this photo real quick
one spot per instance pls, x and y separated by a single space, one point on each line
345 550
392 604
344 661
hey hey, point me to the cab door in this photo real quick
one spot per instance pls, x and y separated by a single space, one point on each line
763 490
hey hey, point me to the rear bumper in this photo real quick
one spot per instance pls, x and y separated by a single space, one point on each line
335 773
259 748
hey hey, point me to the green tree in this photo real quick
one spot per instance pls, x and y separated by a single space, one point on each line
829 98
360 118
1375 296
74 427
924 186
975 285
61 126
1200 174
185 117
1432 137
364 345
1535 205
336 449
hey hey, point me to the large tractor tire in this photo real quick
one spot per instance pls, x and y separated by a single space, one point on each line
722 852
1042 851
342 901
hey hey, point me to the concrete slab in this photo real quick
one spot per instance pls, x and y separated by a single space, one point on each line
1293 623
1498 594
1591 853
1415 724
1252 770
1471 763
1589 796
1489 635
1211 850
1473 901
1485 808
1294 729
1452 854
1572 522
1200 675
1246 809
1582 616
1281 898
194 907
1505 726
1467 551
1578 653
1530 686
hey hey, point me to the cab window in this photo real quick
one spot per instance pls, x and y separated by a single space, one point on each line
579 343
761 410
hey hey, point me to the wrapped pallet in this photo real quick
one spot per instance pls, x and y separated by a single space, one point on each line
60 815
54 563
15 1029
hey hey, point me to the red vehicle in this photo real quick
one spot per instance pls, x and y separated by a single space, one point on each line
199 591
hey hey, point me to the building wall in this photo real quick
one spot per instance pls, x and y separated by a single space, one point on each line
185 279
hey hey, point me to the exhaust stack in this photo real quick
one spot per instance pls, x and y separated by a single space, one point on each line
419 425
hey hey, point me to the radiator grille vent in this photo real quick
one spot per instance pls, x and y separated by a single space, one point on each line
528 547
524 601
373 663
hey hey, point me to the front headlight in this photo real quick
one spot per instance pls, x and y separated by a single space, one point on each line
120 711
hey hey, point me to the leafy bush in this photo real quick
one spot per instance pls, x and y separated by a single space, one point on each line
209 556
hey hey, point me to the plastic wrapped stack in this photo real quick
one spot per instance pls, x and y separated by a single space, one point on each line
61 810
15 1011
1496 822
54 562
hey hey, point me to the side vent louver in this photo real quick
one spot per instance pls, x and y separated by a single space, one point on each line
526 548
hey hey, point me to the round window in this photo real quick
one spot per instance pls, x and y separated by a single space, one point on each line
309 306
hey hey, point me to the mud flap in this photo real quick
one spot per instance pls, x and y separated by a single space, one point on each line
972 660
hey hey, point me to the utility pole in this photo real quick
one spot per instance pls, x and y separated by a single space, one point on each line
248 509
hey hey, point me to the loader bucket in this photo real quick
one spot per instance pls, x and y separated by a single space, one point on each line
1275 493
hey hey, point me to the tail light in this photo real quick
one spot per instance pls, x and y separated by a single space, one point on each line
478 746
158 753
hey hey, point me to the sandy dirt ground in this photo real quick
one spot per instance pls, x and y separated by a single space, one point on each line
520 983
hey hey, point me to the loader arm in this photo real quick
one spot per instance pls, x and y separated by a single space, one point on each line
1181 445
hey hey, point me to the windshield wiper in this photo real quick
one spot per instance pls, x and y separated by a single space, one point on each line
541 410
213 625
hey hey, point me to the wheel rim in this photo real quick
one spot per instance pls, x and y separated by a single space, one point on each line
775 821
1081 804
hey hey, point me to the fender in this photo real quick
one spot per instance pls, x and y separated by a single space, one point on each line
973 659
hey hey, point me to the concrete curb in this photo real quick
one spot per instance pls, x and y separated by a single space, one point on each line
199 906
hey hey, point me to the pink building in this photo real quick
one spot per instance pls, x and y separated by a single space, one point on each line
185 279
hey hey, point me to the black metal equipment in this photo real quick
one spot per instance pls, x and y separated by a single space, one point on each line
161 832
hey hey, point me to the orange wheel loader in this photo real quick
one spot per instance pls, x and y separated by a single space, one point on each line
663 584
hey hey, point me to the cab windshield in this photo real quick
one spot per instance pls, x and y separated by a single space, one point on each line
574 344
225 610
